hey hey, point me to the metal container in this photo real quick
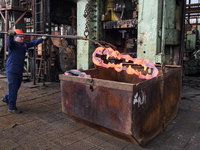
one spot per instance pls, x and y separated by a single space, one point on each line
123 105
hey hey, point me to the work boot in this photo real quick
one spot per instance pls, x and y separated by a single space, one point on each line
5 101
14 111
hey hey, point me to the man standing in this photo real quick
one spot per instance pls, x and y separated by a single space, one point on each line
15 65
195 31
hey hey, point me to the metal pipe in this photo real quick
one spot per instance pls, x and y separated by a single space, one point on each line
163 31
54 36
34 58
44 43
5 36
47 3
58 36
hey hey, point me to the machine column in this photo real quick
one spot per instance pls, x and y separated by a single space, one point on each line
82 45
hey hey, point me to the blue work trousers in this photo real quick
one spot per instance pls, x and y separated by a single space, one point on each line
14 83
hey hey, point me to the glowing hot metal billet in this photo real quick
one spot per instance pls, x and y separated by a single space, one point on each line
119 67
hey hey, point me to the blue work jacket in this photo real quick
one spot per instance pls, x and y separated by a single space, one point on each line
16 54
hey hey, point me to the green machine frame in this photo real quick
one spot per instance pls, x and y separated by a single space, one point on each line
160 30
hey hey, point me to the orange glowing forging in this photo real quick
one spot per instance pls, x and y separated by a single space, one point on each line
119 67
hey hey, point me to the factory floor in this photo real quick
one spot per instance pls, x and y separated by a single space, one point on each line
43 125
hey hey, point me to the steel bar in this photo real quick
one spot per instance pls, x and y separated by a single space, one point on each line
5 36
44 43
2 16
57 36
34 27
17 20
196 4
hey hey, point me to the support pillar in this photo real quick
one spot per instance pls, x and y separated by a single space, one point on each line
5 36
150 30
82 45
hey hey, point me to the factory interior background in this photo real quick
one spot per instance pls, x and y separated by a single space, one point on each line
113 74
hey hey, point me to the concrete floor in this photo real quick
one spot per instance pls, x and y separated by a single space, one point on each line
43 125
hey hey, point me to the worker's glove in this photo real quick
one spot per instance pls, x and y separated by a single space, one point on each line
44 37
11 33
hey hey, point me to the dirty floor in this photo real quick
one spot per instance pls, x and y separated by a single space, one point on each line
43 125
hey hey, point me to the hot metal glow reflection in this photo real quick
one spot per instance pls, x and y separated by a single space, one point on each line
77 72
109 52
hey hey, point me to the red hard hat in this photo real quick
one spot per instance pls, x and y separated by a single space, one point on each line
195 26
19 31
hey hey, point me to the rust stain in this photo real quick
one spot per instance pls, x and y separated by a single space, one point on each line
141 42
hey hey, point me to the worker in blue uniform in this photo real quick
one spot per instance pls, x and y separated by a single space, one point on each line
15 65
195 31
